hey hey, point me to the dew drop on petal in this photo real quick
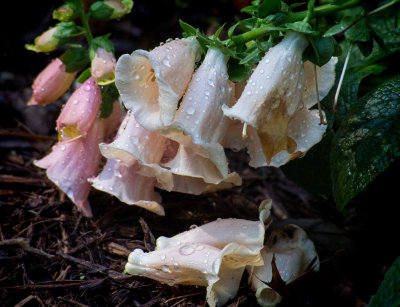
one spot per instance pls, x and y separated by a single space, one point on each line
166 63
190 110
87 87
186 250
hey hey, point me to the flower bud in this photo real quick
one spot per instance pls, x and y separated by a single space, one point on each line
51 83
80 111
110 9
103 67
66 12
46 42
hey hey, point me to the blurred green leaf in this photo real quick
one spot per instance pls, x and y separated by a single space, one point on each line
388 294
267 7
109 94
320 50
238 72
75 58
359 32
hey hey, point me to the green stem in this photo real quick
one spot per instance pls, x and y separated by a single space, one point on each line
322 10
85 24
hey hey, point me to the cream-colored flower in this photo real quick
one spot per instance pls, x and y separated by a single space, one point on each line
294 254
213 255
200 119
274 99
151 83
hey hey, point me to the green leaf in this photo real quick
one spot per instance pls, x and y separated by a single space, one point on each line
109 94
300 26
75 58
86 74
359 32
99 10
267 7
100 42
388 294
320 50
340 27
383 24
66 30
188 30
238 72
367 141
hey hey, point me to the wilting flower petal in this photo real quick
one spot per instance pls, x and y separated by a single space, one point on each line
103 67
129 186
200 119
213 255
151 83
72 162
80 111
294 254
272 95
51 83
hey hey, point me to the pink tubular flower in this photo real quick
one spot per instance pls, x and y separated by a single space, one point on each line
72 162
80 111
103 67
51 83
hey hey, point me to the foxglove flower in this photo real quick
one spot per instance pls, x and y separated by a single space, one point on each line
51 83
212 255
293 252
103 67
274 96
151 83
126 183
200 119
80 112
72 162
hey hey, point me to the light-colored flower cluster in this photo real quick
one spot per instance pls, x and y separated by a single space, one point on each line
216 254
181 118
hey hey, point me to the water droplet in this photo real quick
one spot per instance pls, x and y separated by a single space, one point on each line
248 92
207 93
75 101
163 257
267 61
190 110
170 282
186 250
87 88
136 77
261 71
211 83
165 269
62 147
166 63
135 140
193 226
197 79
199 247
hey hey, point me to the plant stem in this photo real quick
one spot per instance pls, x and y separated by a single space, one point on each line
322 10
85 24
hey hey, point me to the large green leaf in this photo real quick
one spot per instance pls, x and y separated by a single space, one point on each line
388 294
367 141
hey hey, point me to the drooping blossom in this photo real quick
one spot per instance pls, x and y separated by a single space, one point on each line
274 97
81 110
72 162
126 183
152 83
293 252
103 67
51 83
110 9
200 119
212 255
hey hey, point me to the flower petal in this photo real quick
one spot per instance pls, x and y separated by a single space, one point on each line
294 253
272 95
128 186
325 79
151 83
71 163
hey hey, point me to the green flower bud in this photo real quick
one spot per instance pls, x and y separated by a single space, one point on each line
66 12
110 9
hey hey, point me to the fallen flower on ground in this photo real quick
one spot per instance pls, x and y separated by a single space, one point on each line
293 252
151 83
274 98
213 255
51 83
